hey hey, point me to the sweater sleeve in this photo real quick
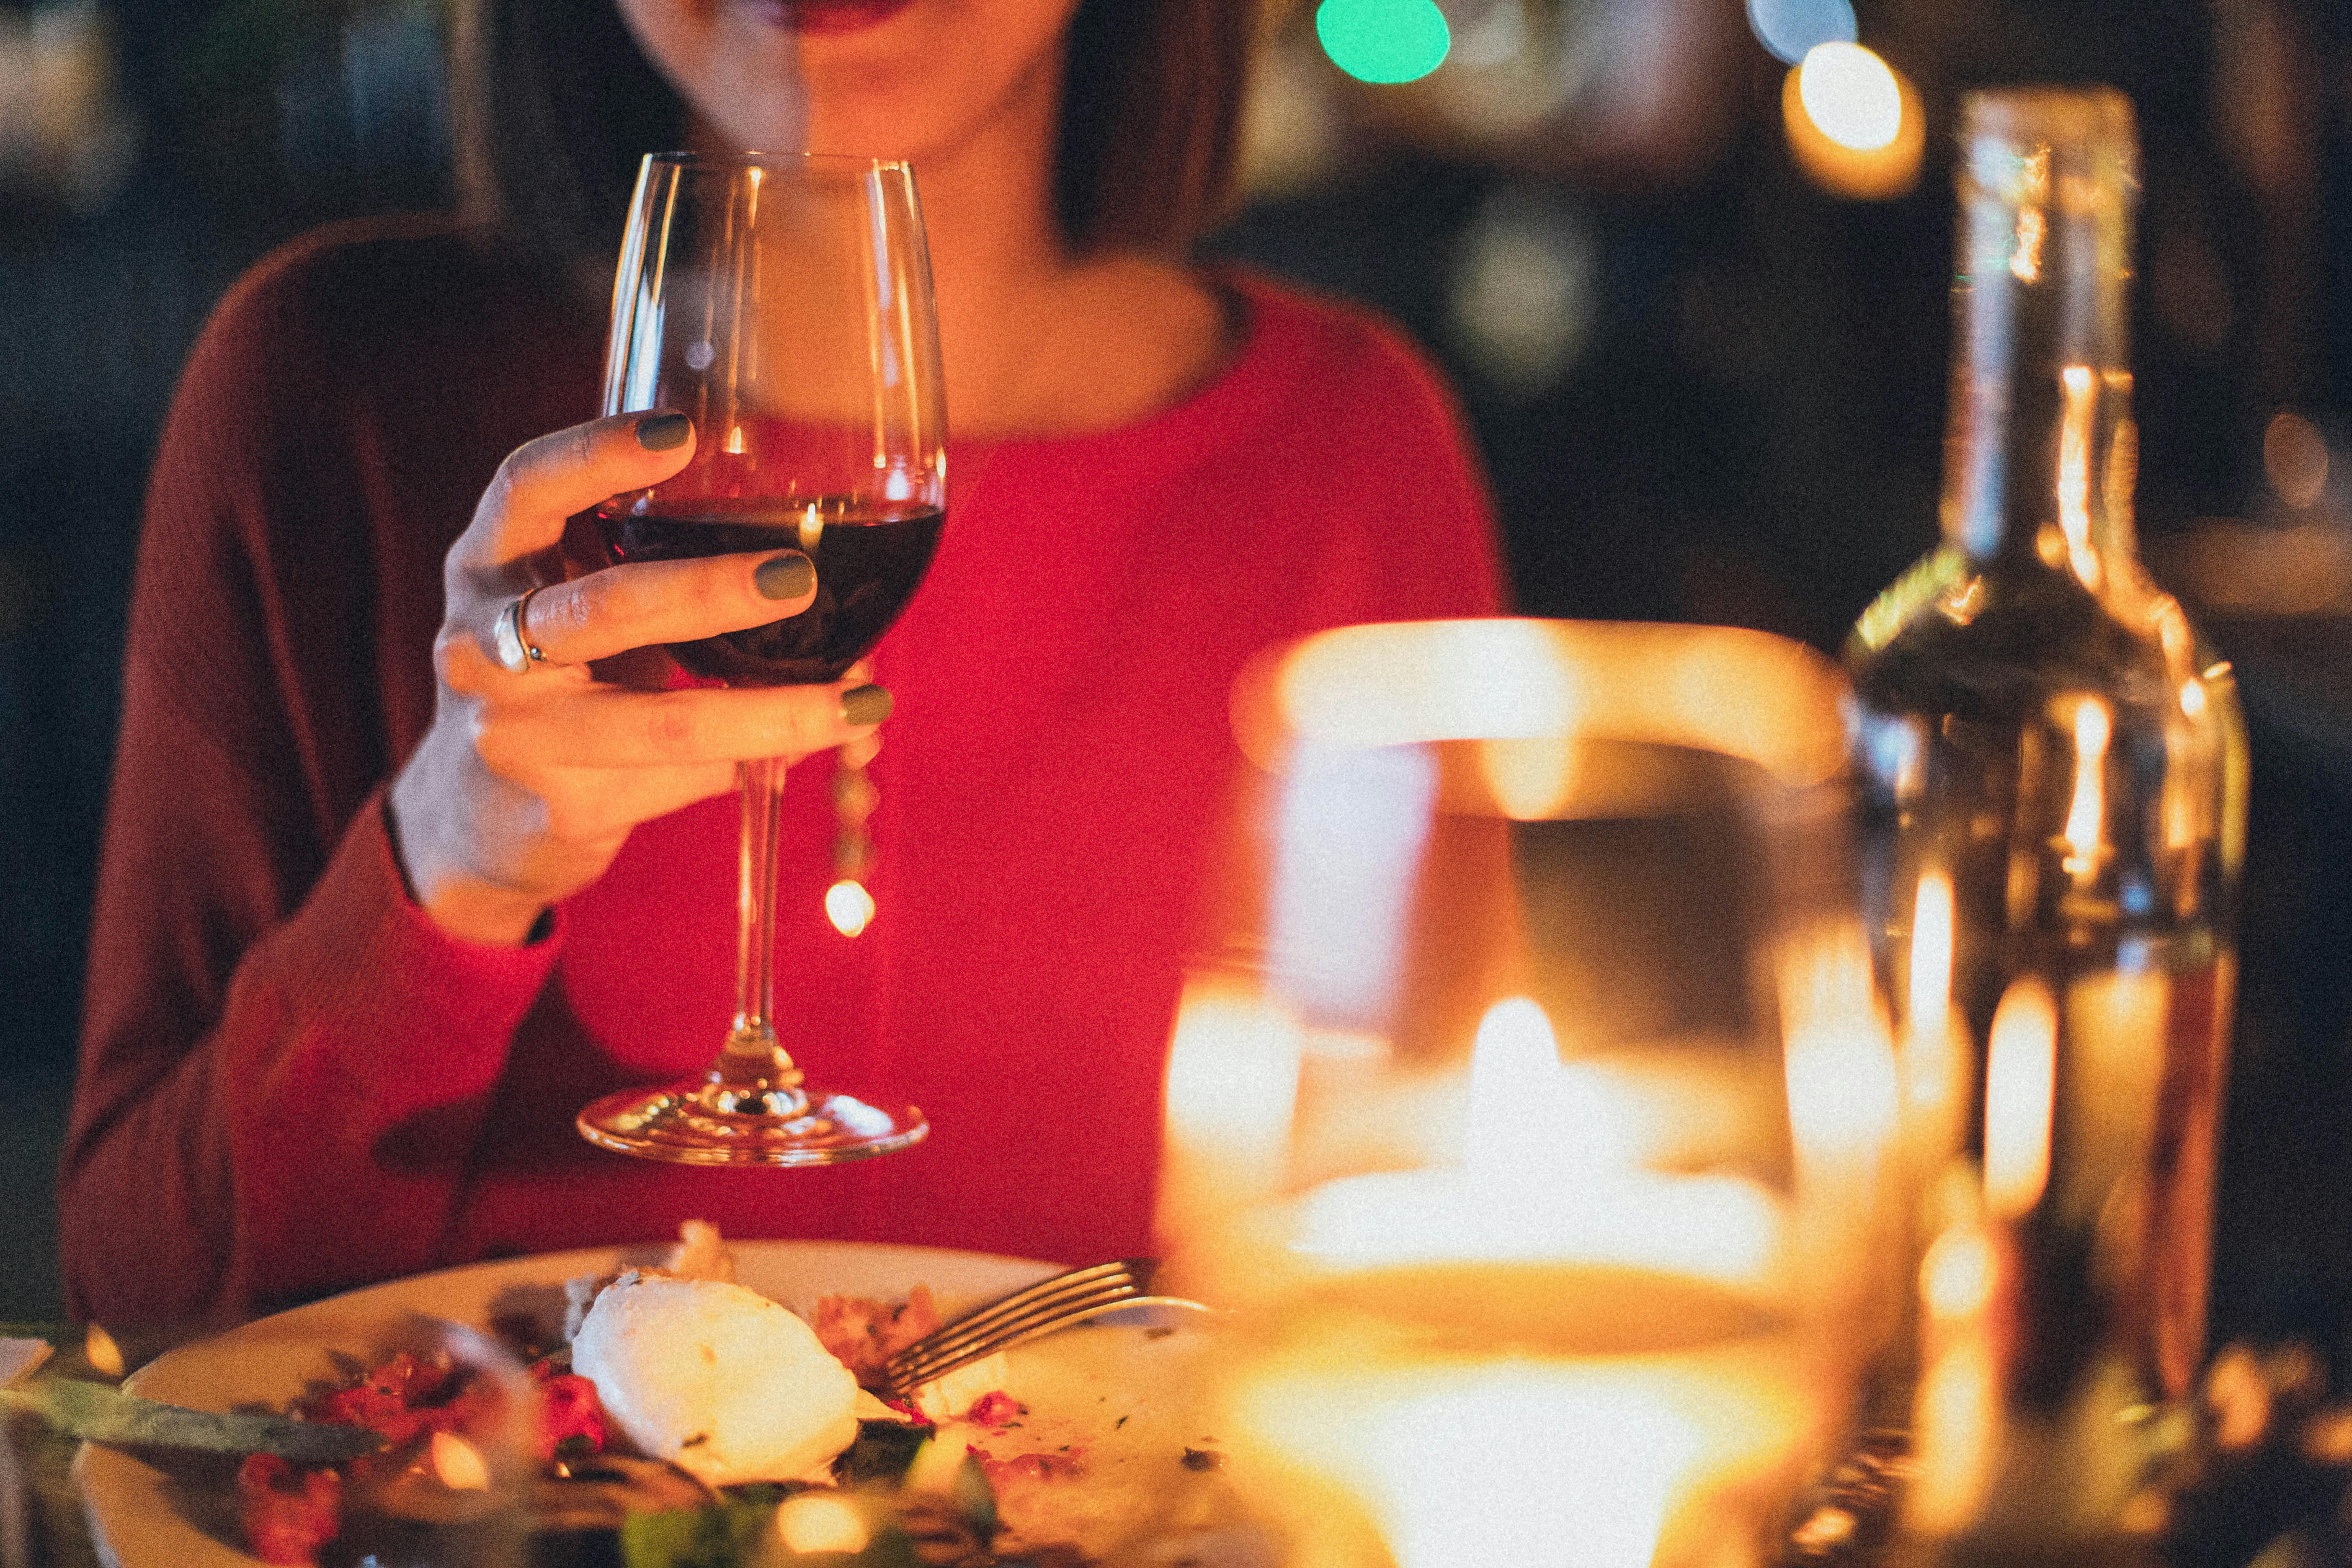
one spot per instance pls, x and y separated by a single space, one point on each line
283 1060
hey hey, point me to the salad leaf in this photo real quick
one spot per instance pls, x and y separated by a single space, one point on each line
100 1413
883 1451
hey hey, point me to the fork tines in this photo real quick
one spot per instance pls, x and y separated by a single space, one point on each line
1023 1315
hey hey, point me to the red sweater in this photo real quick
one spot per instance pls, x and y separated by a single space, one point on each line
292 1082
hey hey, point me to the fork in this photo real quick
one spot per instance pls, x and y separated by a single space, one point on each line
1052 1303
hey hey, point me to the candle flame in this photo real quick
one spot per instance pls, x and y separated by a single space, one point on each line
1550 1171
1530 1121
2021 1080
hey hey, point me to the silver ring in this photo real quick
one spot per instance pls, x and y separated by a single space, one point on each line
516 652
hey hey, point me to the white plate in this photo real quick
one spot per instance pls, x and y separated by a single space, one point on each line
1115 1394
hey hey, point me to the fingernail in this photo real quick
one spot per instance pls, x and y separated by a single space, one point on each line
786 576
864 705
664 432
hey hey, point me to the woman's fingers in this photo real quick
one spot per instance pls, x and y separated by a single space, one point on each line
589 804
589 725
542 482
648 603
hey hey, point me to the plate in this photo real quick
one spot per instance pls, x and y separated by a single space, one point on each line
1115 1393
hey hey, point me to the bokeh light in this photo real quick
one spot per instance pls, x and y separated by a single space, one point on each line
1856 126
821 1522
1851 95
849 907
1524 291
98 1348
1383 41
2294 460
1791 30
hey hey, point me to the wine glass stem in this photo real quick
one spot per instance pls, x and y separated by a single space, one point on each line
752 1058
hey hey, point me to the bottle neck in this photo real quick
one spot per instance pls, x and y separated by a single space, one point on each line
2042 451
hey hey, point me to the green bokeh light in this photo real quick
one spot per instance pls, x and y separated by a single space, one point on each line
1383 41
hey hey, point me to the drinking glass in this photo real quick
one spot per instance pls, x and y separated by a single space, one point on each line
784 303
1526 1104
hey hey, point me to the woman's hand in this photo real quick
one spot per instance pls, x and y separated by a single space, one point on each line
526 785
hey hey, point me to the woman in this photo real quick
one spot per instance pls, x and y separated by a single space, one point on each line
376 915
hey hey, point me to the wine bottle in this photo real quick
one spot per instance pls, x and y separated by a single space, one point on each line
2053 771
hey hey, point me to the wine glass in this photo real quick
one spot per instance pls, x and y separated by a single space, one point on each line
784 303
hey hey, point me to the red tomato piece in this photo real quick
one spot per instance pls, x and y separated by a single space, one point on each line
287 1514
995 1408
568 1410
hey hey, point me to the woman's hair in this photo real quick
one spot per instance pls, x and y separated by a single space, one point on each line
555 104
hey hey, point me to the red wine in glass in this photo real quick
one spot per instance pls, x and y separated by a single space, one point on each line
783 304
869 557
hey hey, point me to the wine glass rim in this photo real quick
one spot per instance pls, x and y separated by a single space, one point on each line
843 162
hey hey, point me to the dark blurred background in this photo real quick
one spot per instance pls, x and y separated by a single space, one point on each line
1707 370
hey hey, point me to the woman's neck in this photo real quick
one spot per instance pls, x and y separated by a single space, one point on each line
1034 340
998 260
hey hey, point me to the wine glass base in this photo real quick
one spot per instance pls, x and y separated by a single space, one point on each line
675 1124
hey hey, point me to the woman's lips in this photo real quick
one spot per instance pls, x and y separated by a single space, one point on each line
829 15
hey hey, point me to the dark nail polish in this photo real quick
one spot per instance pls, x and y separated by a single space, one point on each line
784 576
664 432
864 705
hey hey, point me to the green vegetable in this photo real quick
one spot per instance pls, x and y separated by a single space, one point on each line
883 1451
717 1537
100 1413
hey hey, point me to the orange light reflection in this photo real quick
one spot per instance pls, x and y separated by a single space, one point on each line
2021 1081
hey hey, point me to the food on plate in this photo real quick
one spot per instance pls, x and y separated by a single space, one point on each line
429 1412
101 1413
953 1396
717 1379
288 1514
701 1253
864 1333
688 1410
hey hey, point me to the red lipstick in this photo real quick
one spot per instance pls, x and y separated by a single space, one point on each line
829 17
